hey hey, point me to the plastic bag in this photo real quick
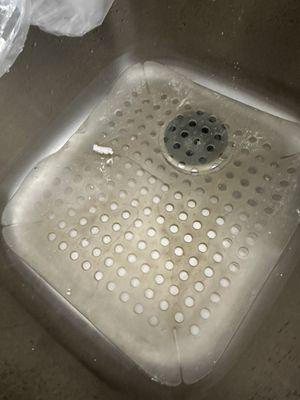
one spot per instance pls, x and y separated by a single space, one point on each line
69 17
14 24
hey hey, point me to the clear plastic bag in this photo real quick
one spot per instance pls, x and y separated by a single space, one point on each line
14 24
69 17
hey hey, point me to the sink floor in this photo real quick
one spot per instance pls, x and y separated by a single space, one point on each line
165 259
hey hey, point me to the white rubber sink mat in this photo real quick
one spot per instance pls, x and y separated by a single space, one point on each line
164 260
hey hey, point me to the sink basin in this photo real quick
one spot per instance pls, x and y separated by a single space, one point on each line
159 214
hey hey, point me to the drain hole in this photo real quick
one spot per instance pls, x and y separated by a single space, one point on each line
195 133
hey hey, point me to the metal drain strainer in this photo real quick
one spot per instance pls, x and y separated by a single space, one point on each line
164 264
195 139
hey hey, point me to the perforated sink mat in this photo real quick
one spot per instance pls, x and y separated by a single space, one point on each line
165 261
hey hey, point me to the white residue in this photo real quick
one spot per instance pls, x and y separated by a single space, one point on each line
105 151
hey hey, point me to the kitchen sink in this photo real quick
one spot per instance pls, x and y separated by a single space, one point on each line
150 187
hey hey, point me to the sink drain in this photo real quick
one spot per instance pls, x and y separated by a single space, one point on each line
195 139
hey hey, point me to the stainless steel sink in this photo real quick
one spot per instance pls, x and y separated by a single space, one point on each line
200 68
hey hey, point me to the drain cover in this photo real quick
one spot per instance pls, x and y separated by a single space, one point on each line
195 138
